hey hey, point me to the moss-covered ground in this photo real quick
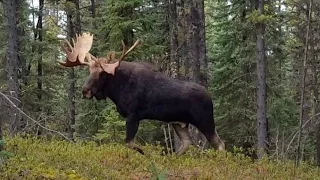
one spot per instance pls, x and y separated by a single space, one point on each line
55 159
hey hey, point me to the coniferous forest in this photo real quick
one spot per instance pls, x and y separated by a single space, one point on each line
258 59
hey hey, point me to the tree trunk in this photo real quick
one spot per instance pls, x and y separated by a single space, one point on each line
174 60
202 45
194 40
93 8
39 68
262 124
196 52
316 104
39 65
1 121
71 74
13 84
316 84
302 99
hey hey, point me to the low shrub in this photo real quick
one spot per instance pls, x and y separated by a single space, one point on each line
4 155
54 159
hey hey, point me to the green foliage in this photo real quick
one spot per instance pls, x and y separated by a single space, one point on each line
255 17
131 20
40 159
113 128
232 53
162 175
4 155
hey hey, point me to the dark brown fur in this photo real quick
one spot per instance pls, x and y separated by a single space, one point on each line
140 91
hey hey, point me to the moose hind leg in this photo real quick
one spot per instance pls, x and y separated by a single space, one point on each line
132 126
183 133
215 140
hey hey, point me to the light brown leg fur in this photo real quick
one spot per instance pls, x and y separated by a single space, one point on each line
217 142
183 133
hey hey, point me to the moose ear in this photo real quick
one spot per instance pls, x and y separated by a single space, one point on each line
110 68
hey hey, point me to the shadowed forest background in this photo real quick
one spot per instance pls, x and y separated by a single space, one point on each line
259 59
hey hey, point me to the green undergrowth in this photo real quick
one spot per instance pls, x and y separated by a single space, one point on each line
40 159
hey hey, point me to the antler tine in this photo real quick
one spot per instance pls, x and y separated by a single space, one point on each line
69 45
74 42
125 53
90 58
111 68
124 49
71 56
93 58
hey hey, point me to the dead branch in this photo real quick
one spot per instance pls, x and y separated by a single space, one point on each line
294 135
36 122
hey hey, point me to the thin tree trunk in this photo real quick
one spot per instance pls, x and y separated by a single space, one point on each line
71 74
1 123
202 44
196 51
182 49
316 88
175 64
93 8
194 40
39 65
199 6
302 99
174 39
262 124
10 7
22 63
78 20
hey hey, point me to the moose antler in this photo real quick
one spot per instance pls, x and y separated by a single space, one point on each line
124 52
111 55
77 54
110 67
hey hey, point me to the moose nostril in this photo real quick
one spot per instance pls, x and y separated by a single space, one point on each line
86 93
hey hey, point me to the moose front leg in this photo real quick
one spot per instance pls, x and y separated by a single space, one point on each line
132 126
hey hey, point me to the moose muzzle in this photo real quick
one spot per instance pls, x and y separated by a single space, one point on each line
86 93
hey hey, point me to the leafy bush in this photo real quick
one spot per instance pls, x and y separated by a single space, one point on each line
40 159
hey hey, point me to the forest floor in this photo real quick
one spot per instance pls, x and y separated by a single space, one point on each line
55 159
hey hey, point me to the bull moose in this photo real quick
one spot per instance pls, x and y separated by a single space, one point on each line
140 92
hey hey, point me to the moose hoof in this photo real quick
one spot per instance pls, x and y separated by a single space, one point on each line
140 151
132 145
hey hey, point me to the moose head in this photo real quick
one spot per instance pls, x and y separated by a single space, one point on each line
99 68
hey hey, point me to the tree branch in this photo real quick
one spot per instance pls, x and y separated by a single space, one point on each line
294 135
36 122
